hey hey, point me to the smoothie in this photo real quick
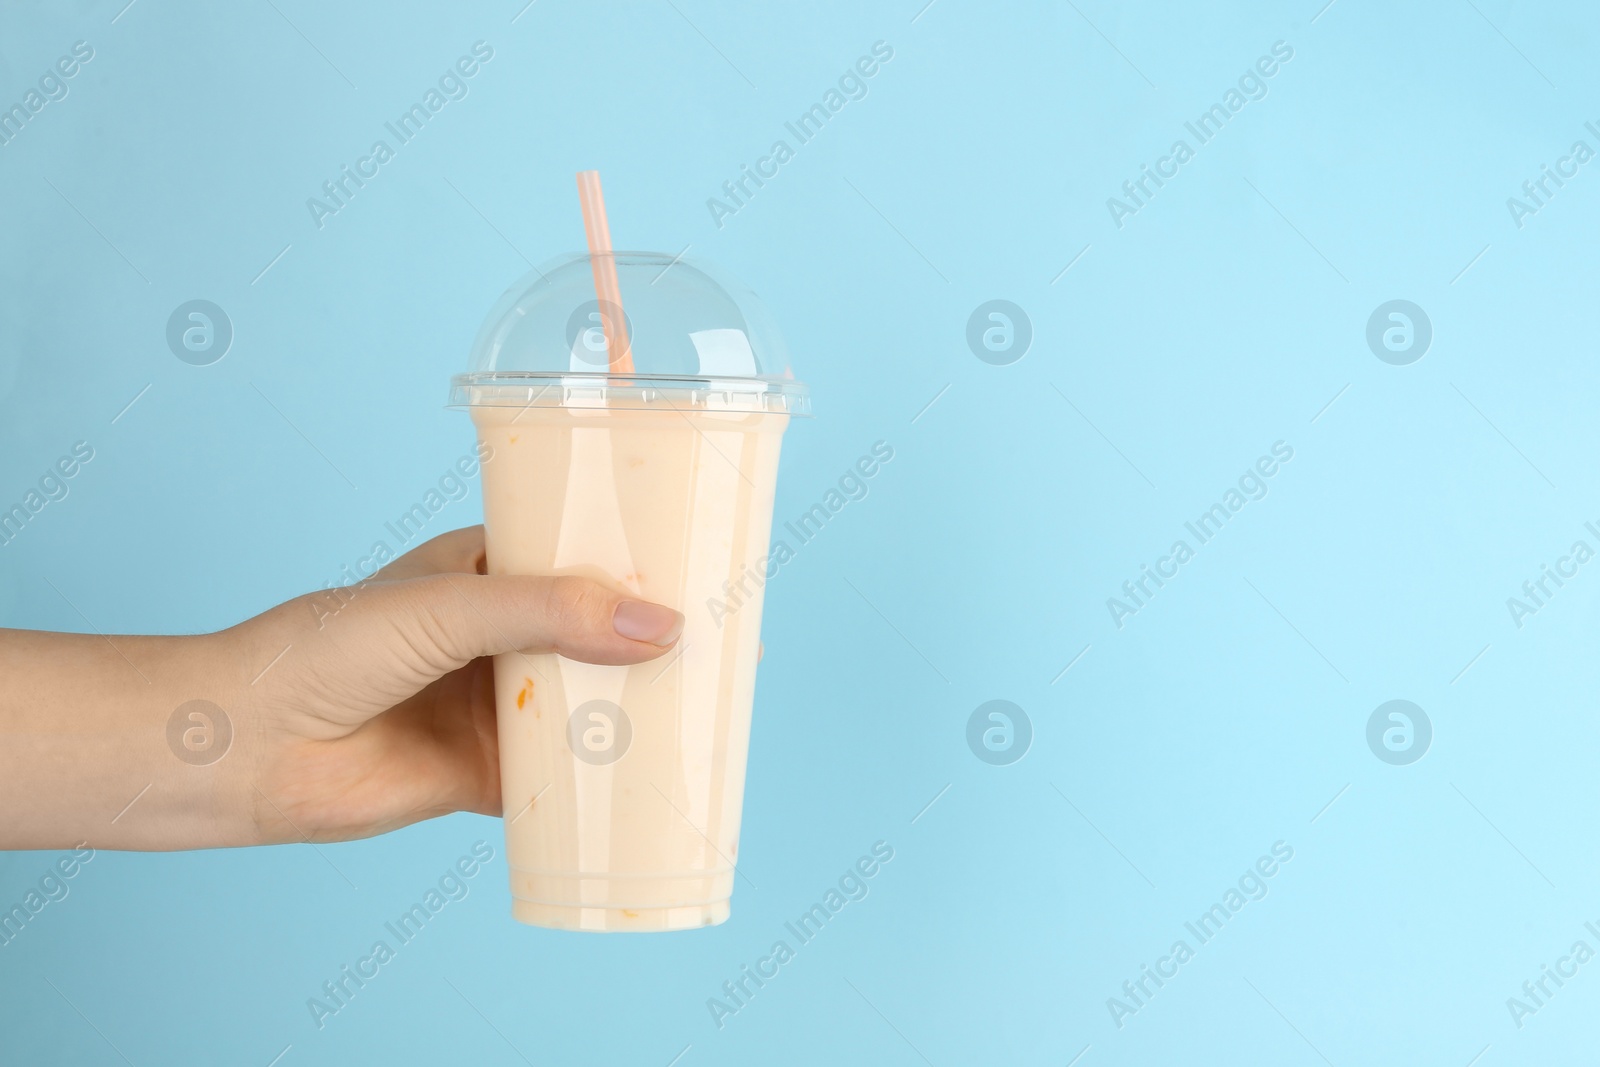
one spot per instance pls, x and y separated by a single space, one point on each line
623 785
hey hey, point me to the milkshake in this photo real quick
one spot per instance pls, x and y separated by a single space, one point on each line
623 785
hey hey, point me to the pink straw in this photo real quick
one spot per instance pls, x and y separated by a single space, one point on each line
606 287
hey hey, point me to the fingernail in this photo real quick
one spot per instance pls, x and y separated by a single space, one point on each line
640 621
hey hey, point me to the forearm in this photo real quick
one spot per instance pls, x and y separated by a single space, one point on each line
89 751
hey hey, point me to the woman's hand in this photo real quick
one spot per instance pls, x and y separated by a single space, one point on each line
381 712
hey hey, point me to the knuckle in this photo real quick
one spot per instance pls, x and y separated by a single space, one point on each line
461 550
576 605
422 626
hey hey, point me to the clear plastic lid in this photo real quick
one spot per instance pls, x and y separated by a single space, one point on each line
692 339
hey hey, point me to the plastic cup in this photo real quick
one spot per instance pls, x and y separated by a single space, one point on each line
623 786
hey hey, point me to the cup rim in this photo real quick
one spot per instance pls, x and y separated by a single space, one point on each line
602 389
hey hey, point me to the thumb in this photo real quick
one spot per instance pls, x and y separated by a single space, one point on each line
362 650
445 621
391 639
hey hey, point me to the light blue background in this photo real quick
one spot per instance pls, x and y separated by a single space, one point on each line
1221 318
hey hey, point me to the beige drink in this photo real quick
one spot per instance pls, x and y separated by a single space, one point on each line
623 785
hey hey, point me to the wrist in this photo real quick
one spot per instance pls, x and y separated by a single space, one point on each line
210 739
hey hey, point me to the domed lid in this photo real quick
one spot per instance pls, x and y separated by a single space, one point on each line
679 332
